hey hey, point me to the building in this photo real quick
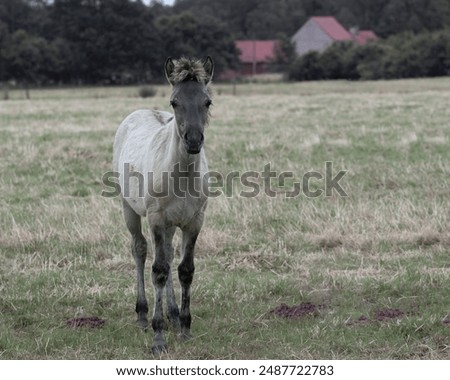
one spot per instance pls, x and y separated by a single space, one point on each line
320 32
363 36
256 55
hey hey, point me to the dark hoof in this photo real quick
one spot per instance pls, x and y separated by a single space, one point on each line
159 349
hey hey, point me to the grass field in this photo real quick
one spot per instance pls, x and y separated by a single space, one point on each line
374 266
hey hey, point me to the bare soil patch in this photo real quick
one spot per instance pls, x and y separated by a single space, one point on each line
92 322
387 314
296 311
381 315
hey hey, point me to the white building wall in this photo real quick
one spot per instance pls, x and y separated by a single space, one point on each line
310 37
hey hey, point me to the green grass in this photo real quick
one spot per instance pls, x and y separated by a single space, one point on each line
65 249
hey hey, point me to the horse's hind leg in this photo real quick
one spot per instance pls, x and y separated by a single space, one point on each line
139 250
173 312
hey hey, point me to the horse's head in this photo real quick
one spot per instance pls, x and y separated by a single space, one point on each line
190 98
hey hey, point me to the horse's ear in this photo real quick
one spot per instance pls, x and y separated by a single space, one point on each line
169 66
208 65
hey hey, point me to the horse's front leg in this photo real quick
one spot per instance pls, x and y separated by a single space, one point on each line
173 312
160 273
186 274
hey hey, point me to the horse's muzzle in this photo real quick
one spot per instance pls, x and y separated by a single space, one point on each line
193 142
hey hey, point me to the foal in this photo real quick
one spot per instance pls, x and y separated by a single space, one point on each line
164 152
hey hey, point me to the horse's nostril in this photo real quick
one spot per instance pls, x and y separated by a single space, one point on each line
194 137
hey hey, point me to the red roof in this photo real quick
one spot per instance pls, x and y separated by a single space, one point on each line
332 27
256 50
363 36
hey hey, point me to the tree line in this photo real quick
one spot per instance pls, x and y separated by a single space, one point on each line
127 41
102 41
404 55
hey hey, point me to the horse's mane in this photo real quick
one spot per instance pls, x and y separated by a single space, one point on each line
188 69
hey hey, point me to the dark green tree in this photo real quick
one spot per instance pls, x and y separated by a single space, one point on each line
25 58
111 41
185 35
307 67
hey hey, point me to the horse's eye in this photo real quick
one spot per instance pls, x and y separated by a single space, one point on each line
173 103
208 103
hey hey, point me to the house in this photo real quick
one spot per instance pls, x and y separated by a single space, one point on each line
320 32
363 36
256 55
